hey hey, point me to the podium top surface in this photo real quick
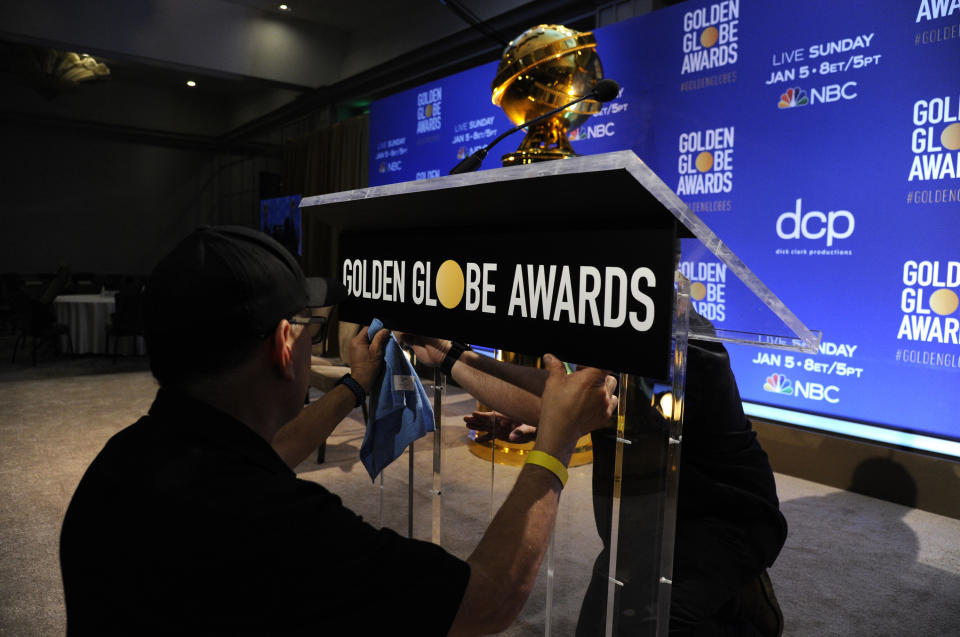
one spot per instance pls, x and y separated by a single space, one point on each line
569 193
617 188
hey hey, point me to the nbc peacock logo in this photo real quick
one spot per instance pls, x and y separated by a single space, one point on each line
778 384
795 96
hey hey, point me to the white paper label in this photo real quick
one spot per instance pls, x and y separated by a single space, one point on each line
404 383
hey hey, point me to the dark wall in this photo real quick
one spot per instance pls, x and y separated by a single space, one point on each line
103 205
913 479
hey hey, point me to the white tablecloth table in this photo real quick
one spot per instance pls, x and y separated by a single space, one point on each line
87 315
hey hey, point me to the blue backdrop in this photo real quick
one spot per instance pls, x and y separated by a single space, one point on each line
820 140
280 218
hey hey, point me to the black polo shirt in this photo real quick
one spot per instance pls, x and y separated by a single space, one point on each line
189 522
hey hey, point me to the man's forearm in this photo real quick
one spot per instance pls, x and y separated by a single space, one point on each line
504 566
505 563
513 390
313 425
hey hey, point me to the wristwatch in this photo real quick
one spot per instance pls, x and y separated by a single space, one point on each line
456 349
351 383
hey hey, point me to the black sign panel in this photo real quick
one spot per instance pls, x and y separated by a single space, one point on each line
596 297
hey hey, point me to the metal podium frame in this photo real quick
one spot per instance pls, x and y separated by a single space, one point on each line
771 324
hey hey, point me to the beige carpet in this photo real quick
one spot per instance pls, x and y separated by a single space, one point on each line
852 565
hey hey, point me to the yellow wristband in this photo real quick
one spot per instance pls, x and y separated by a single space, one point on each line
549 463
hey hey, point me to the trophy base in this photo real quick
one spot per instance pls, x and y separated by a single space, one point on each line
520 157
545 141
483 445
515 454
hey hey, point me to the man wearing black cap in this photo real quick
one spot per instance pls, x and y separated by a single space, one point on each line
191 520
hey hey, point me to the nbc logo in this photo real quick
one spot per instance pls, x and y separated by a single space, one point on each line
825 94
594 131
793 97
778 384
461 152
390 166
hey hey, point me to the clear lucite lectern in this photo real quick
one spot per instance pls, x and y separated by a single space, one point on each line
609 568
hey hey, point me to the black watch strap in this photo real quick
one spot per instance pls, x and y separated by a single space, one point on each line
351 383
456 349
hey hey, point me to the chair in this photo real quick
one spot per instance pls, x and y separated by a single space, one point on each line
35 284
86 283
326 367
130 283
111 281
10 284
56 285
36 319
127 320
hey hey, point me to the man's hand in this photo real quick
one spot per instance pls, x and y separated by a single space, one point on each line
502 427
573 405
366 358
430 351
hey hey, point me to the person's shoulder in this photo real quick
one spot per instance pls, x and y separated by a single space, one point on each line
315 498
130 461
132 444
107 487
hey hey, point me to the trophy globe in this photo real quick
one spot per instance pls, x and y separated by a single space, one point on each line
542 69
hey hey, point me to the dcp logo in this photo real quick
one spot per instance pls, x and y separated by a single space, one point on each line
814 224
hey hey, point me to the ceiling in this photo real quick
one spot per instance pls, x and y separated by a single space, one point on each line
256 67
350 16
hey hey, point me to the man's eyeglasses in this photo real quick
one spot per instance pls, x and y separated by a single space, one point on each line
317 325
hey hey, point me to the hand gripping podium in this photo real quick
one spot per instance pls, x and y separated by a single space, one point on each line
578 258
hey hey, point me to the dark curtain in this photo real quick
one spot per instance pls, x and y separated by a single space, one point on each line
329 160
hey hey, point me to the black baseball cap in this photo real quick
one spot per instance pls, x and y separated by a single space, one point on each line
232 278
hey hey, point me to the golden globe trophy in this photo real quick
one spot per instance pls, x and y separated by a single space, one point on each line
542 69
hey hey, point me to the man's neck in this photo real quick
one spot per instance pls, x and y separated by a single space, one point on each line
243 398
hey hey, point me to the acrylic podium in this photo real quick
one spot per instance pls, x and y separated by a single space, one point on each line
579 258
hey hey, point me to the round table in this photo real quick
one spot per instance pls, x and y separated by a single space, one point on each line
87 316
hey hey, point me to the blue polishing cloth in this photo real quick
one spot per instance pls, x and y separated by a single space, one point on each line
400 412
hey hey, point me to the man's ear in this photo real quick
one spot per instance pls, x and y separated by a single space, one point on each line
282 349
